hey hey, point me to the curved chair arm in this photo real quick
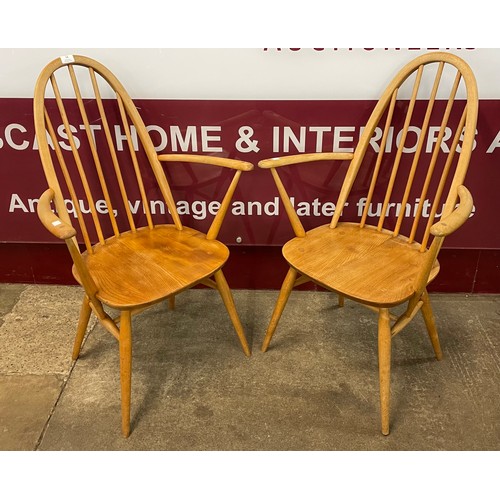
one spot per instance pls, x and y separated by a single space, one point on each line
440 229
453 221
238 165
66 232
303 158
209 160
273 163
50 220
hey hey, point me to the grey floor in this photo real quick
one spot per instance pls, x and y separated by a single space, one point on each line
193 389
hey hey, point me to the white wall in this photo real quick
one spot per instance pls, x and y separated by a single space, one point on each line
244 73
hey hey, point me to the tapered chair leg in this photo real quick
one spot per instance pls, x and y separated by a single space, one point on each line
82 327
125 368
431 324
384 366
341 300
171 302
227 298
286 289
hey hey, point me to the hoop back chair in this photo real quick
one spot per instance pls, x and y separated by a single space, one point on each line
386 258
129 261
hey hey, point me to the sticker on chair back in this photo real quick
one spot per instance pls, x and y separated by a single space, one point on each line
67 59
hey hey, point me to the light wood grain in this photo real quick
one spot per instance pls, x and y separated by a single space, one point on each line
449 224
85 313
374 264
430 324
303 158
50 220
286 289
125 342
362 264
143 268
384 367
132 265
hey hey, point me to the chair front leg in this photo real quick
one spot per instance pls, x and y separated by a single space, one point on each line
286 289
82 326
384 366
125 342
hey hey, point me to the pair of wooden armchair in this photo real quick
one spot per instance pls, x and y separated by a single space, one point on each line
128 263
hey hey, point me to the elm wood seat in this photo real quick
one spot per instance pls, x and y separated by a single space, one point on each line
329 258
95 148
142 268
431 107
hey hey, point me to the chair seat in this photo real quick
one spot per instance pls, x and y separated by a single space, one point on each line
370 266
137 269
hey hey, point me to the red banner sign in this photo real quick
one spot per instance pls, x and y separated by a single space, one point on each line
249 130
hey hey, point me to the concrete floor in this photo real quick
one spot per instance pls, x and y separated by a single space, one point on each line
193 389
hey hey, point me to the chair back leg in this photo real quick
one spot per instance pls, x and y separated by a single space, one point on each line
82 327
171 302
227 298
286 289
431 325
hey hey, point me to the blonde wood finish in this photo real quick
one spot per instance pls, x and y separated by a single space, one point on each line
322 256
430 323
227 298
152 263
208 160
449 224
303 158
384 366
50 220
131 260
85 313
171 302
380 263
403 320
286 289
125 342
297 226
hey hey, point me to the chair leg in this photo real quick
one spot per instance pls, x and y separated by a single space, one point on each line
384 366
125 368
341 300
431 325
286 289
227 298
82 327
171 302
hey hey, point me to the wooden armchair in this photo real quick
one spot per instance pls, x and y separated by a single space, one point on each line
79 106
416 147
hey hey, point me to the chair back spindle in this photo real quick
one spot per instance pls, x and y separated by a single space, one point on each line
88 116
428 98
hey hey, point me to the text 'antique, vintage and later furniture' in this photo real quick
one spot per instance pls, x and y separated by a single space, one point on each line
129 260
409 167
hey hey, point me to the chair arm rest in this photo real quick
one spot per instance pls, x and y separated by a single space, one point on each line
453 221
303 158
50 220
208 160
